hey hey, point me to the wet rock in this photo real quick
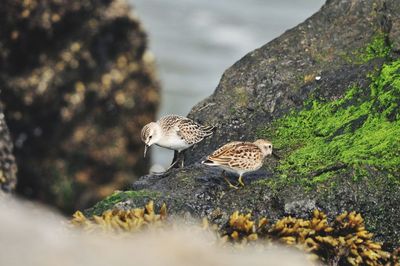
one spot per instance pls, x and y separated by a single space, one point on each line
78 83
320 59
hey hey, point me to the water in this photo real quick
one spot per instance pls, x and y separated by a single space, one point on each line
195 41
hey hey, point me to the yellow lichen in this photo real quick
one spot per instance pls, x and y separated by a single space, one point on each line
121 220
242 229
344 241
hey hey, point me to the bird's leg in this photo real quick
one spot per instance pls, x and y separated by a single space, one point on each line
182 160
171 166
240 180
227 181
174 161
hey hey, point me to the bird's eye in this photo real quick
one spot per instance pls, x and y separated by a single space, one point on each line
150 137
270 146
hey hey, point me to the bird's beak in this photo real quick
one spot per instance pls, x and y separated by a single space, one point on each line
145 150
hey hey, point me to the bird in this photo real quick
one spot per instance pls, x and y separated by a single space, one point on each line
174 132
240 157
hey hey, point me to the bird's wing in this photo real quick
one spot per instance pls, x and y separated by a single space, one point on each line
192 132
224 149
236 154
170 121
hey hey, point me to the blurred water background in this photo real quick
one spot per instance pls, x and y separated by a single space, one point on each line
195 41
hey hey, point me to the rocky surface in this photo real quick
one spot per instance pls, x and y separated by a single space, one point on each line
8 167
78 83
269 81
331 83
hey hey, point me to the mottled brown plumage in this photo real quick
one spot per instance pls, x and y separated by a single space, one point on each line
240 157
187 129
174 132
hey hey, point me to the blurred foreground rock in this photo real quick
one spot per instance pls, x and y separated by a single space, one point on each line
343 62
77 83
30 229
8 168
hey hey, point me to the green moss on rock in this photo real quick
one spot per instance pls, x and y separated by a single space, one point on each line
379 47
359 131
117 197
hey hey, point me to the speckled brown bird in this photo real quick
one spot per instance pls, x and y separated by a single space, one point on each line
240 157
174 132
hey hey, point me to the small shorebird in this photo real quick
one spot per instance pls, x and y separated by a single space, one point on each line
240 157
175 133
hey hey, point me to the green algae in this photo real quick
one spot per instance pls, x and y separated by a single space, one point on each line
359 131
119 196
378 47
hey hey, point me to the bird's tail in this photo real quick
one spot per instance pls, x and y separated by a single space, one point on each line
208 162
208 130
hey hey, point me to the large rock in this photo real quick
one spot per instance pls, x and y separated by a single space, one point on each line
271 80
327 94
77 85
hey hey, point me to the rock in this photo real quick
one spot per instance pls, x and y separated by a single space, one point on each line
78 83
298 208
328 99
8 168
273 79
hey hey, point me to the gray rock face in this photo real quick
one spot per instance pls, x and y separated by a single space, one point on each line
318 58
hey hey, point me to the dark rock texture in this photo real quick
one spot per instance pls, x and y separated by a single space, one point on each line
332 51
200 191
269 81
8 167
77 85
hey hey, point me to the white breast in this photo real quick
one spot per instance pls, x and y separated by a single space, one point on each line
173 142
